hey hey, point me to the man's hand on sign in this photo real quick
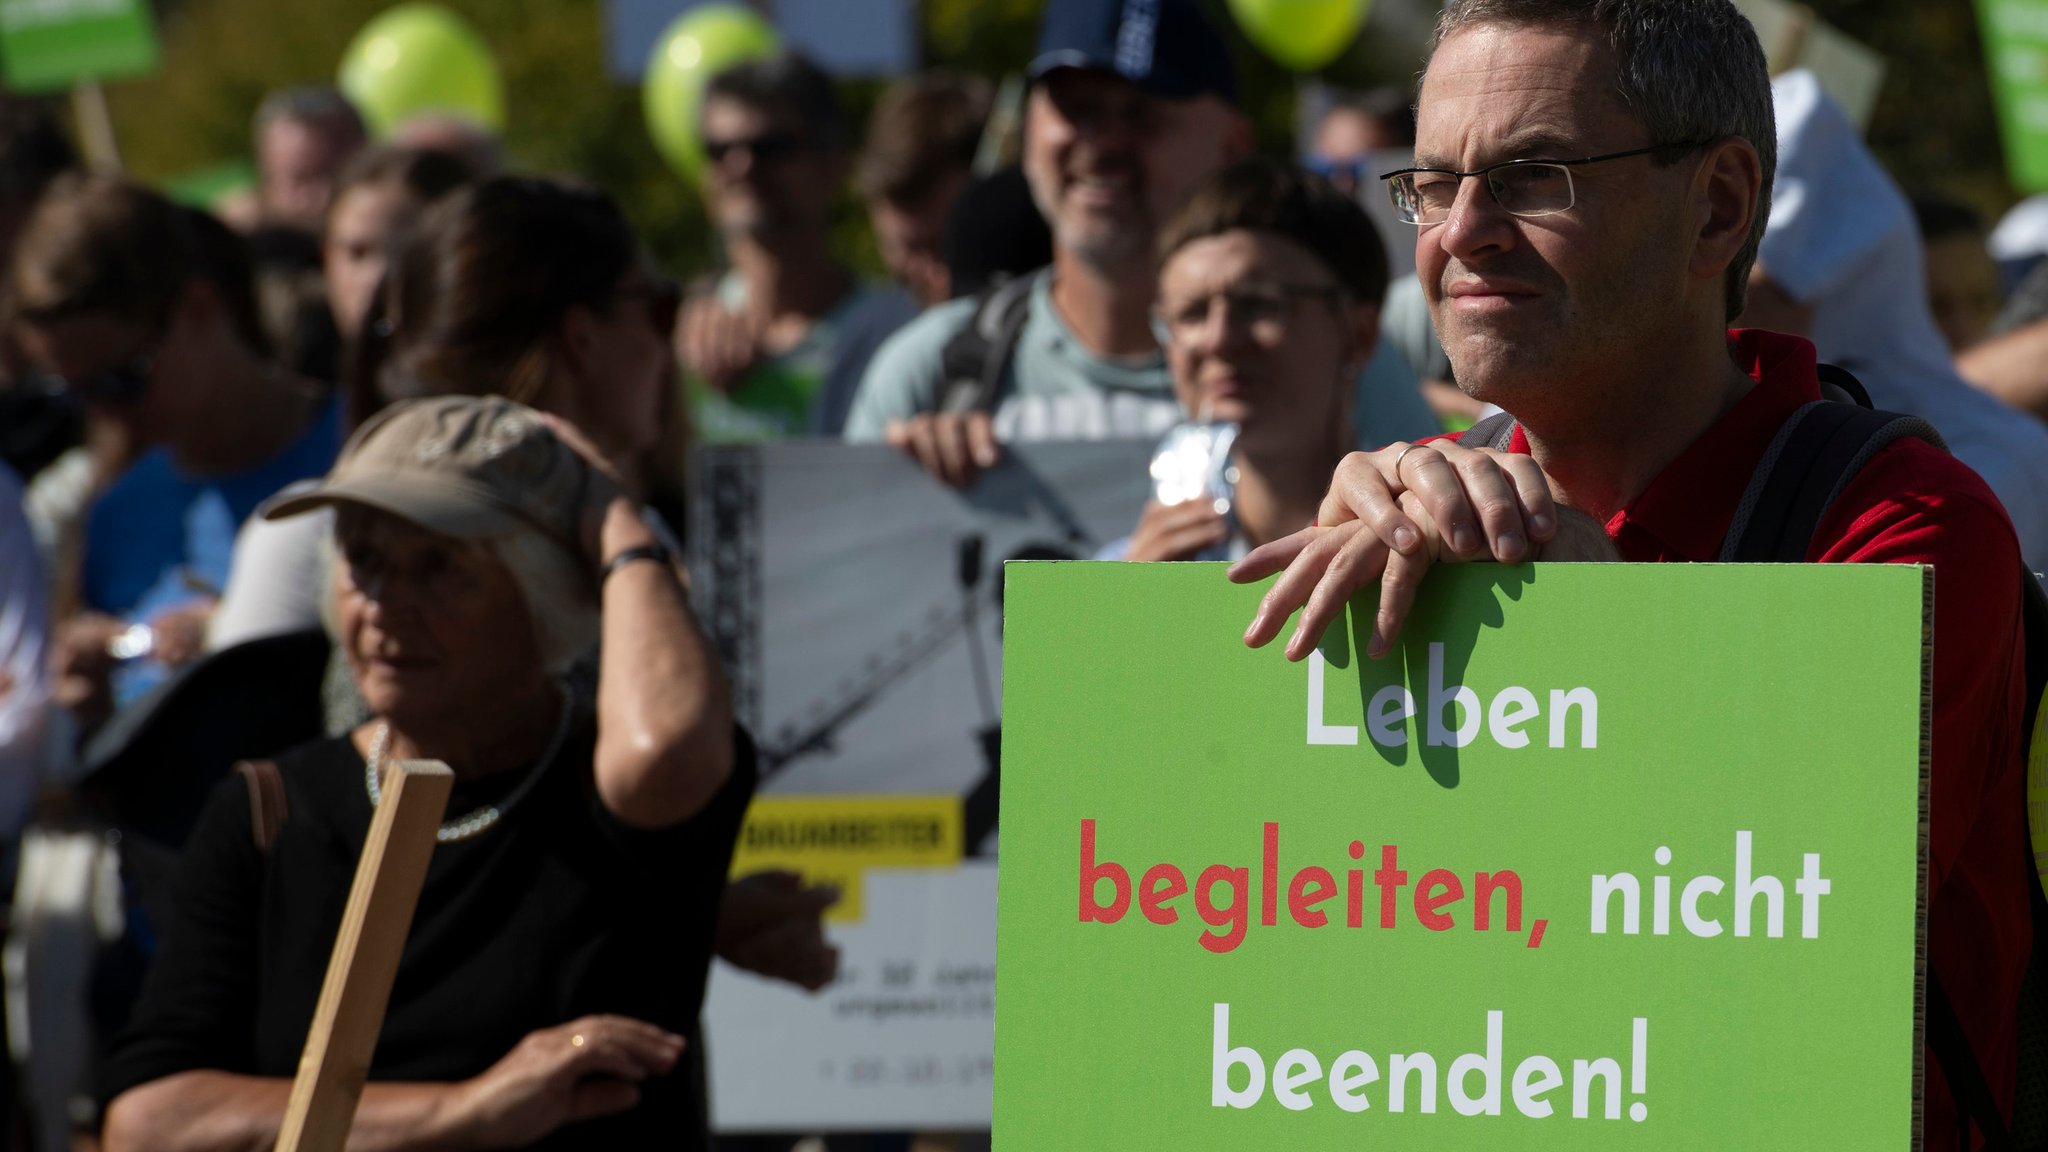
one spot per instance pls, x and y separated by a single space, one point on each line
955 447
716 344
1388 516
555 1076
1177 531
771 923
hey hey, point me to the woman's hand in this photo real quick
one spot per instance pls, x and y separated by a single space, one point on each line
572 1072
82 670
1177 531
606 507
771 923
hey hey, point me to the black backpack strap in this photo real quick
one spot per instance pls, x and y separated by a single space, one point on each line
2034 627
1496 432
975 359
1967 1084
1838 383
1812 459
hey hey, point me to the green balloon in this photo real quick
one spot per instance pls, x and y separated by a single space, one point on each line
700 44
420 58
1302 34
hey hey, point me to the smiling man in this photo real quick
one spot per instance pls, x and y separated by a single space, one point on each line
1132 103
1588 200
775 346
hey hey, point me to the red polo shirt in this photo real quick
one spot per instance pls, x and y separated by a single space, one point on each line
1911 504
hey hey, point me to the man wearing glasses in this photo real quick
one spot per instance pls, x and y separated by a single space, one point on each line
1132 103
1588 198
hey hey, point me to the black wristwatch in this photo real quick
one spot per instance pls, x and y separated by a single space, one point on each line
653 552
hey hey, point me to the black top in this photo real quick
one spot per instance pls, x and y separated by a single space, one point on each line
557 911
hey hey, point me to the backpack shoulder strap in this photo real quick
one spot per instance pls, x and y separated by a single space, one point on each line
2034 631
267 807
975 359
1838 383
1811 460
1496 432
1967 1084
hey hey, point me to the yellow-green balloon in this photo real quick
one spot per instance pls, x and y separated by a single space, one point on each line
419 58
1302 34
700 44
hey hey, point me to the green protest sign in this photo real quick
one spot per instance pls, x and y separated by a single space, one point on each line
2015 35
52 44
1604 856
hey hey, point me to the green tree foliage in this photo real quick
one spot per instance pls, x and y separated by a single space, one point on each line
1934 123
1934 127
566 115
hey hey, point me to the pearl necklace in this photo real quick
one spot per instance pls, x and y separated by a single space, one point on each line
476 822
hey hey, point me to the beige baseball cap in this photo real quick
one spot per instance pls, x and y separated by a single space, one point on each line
462 466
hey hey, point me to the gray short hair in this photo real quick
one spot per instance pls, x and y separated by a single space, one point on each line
560 593
1691 70
311 104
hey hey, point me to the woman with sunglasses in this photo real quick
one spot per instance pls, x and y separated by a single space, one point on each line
145 312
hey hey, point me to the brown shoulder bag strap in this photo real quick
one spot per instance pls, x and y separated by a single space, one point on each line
267 807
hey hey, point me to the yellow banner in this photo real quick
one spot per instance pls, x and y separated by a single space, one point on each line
835 839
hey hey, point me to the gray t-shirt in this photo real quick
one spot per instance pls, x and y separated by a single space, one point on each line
1056 389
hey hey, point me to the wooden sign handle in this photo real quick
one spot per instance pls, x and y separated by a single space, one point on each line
393 866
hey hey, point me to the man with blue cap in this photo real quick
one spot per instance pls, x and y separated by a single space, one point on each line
1132 102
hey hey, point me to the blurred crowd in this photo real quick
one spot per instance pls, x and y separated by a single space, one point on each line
389 459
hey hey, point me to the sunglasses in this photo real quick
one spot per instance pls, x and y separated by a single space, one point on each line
764 149
1343 173
123 384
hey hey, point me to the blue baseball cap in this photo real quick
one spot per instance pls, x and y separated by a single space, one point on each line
1166 47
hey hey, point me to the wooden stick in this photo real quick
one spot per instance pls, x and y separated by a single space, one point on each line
95 126
336 1059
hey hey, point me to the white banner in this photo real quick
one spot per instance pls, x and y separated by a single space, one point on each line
858 606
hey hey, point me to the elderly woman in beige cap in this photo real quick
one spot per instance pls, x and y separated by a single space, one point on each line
557 960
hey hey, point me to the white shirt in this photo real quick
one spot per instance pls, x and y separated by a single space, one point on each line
24 658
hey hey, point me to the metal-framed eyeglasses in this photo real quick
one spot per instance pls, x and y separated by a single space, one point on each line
1526 188
1262 308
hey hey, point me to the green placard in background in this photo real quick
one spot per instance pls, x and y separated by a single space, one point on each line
1641 871
2015 36
47 45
